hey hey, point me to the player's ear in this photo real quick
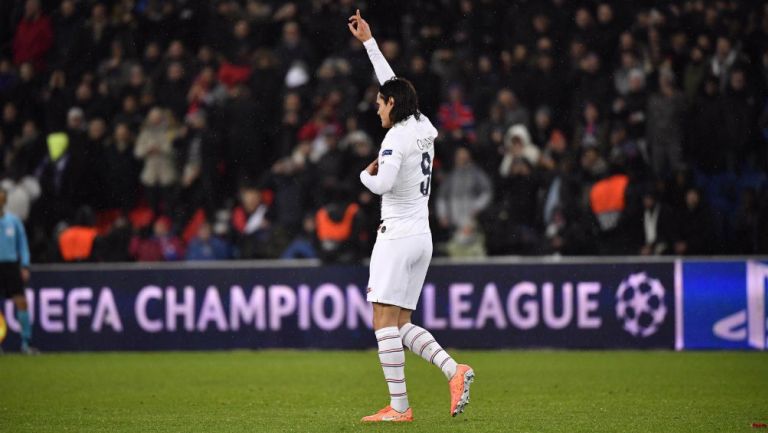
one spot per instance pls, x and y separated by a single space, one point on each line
391 101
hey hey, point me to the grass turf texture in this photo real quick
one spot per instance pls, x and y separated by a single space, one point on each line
536 391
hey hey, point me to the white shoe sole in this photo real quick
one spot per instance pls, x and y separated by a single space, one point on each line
469 376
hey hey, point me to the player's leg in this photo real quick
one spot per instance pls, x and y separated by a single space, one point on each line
386 289
417 339
392 359
14 289
421 342
22 315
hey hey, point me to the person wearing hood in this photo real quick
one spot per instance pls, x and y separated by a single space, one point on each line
517 144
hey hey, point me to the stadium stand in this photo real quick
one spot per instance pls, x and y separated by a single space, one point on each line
247 122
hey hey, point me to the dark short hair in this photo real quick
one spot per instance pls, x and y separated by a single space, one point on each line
406 100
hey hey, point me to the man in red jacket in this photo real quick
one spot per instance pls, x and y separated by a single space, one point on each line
33 38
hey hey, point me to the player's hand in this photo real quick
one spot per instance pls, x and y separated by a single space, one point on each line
25 275
373 168
359 27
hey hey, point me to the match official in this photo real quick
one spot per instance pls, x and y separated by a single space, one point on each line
14 269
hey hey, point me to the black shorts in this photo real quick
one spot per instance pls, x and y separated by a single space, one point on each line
10 280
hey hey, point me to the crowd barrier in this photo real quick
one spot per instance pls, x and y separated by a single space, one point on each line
622 303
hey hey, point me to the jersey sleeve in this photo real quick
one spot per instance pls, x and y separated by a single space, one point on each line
391 156
380 65
382 182
22 245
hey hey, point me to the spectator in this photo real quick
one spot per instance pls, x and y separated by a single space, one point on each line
724 59
464 193
122 169
746 235
621 76
427 82
593 165
608 203
657 225
155 146
631 108
625 150
129 113
289 181
57 174
517 145
590 83
696 233
293 48
206 246
695 73
490 138
172 91
303 246
245 147
162 246
456 115
66 24
76 241
34 36
485 90
592 131
664 131
21 194
251 221
24 151
467 242
92 42
547 89
706 136
740 112
198 160
514 112
338 225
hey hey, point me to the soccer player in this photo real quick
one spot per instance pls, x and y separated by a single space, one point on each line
402 174
14 269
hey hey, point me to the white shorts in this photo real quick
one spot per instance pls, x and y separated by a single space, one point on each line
398 268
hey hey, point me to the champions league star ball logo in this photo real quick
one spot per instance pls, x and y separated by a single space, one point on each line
640 305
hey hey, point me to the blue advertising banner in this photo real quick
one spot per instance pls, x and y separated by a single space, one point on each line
571 305
724 305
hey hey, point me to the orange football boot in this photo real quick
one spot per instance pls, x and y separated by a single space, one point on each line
459 385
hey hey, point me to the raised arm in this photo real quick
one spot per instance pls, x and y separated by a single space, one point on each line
362 31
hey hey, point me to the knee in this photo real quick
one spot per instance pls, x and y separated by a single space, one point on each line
21 302
384 316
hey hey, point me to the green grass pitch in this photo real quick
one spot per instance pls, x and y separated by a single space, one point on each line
301 391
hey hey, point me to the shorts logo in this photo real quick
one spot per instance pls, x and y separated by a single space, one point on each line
386 152
369 290
383 229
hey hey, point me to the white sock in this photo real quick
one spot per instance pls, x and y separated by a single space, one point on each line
392 359
422 343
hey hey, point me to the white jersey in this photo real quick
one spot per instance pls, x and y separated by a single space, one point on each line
405 167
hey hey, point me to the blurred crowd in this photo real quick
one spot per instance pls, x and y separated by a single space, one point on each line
156 130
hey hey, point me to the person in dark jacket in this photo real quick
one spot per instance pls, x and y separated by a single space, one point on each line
654 226
697 228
